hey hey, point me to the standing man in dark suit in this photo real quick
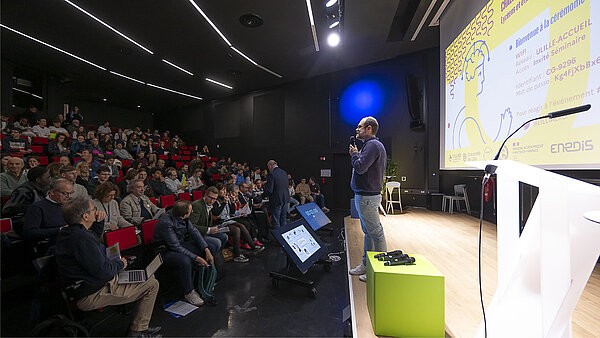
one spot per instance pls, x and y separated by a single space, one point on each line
276 190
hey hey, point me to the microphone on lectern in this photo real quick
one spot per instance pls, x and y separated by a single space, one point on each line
491 169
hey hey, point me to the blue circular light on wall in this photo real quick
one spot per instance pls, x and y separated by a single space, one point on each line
361 99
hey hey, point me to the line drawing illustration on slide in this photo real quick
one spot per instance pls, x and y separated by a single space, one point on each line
504 126
474 65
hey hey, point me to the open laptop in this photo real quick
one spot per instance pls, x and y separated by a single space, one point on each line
140 276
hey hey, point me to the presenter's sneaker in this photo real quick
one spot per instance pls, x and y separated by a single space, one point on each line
241 259
194 298
149 332
358 270
363 278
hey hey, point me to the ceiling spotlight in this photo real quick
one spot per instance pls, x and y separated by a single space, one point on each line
333 39
330 3
104 99
334 24
139 106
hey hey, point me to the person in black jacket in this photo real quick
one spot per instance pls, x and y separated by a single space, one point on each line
185 246
44 218
157 183
276 190
82 259
25 195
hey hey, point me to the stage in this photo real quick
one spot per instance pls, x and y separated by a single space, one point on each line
450 243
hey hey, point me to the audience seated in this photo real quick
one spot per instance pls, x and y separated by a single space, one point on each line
157 183
41 129
242 212
315 192
294 202
103 175
32 162
136 208
104 129
72 126
44 218
196 180
184 246
80 257
202 220
13 177
104 199
15 144
173 184
74 114
95 148
38 179
184 172
87 157
110 163
131 174
69 173
56 128
78 146
58 146
54 170
303 191
64 160
83 173
121 153
212 170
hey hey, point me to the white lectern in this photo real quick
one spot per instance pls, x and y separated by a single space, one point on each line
542 273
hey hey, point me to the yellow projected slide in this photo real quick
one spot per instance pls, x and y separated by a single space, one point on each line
519 59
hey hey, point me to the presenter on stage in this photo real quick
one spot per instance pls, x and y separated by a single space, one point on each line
368 168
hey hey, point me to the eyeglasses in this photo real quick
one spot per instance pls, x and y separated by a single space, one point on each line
65 193
211 198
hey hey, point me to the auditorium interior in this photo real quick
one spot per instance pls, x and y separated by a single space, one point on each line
222 88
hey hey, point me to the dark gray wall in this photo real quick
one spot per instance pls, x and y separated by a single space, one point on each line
56 94
299 123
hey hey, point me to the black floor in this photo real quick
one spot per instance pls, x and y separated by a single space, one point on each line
248 303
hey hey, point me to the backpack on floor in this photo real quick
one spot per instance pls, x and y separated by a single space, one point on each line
205 282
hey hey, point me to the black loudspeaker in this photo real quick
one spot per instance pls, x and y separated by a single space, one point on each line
414 93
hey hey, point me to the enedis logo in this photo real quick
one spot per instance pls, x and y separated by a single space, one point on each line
572 147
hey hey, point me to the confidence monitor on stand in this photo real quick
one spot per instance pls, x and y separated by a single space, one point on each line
315 217
302 247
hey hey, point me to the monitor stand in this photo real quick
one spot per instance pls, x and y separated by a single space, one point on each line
292 274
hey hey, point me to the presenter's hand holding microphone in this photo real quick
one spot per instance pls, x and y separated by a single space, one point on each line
353 148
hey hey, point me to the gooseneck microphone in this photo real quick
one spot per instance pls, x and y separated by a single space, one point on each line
491 169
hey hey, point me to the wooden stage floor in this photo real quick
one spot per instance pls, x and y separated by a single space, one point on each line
450 243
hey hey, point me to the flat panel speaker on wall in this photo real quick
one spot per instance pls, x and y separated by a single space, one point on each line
414 93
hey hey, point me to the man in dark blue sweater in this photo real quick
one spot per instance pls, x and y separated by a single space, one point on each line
44 218
276 190
368 168
82 260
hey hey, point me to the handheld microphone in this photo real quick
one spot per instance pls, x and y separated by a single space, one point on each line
395 252
406 261
491 169
353 141
392 257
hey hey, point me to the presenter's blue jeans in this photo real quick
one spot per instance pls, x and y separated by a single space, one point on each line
368 212
295 203
279 214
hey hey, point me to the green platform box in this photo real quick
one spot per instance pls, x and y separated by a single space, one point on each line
405 300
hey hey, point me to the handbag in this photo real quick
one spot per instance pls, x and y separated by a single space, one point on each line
227 255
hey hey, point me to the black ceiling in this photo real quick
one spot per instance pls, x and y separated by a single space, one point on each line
175 31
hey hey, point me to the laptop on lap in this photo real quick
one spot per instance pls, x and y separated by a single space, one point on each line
140 276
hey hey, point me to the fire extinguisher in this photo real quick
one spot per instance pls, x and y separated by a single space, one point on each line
488 189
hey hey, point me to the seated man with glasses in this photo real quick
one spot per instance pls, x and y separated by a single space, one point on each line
44 218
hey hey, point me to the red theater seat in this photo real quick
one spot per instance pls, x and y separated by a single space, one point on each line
167 201
125 237
126 163
44 160
185 196
185 158
175 157
186 152
148 231
196 195
37 149
178 164
40 140
153 200
55 159
163 157
118 179
5 224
